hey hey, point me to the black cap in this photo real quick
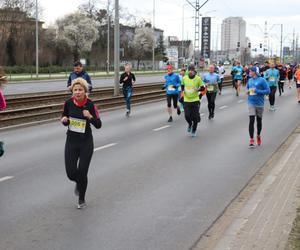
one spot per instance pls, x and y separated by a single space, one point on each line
191 67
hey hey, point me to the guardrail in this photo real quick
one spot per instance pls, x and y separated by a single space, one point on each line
35 108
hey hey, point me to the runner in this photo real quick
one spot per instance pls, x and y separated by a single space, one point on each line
232 76
172 90
127 79
282 77
297 76
290 75
183 73
191 85
78 114
2 103
272 77
221 71
264 68
257 88
79 72
238 77
211 80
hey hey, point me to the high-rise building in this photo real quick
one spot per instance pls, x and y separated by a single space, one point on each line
233 34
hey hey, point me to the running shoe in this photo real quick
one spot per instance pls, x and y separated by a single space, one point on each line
178 111
251 144
170 119
258 140
81 204
189 129
127 113
193 133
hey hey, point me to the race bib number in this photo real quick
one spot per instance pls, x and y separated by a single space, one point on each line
298 81
189 89
171 88
77 125
252 91
210 88
272 79
238 73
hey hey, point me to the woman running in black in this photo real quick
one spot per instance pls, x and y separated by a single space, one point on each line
79 112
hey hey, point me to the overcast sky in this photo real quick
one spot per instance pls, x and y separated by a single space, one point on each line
169 16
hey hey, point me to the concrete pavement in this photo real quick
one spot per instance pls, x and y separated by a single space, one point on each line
151 186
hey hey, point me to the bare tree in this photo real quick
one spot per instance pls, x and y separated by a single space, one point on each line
27 6
142 43
79 32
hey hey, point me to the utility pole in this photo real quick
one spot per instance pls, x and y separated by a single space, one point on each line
117 49
266 40
197 31
108 37
36 40
281 43
154 39
297 40
294 43
182 37
197 8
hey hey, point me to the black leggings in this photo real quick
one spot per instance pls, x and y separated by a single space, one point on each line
281 87
192 114
272 95
251 125
175 101
211 98
220 84
78 155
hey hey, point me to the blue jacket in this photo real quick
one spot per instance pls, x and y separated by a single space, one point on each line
172 84
261 87
272 77
83 75
238 72
211 80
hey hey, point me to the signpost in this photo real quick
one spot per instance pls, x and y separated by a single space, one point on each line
206 37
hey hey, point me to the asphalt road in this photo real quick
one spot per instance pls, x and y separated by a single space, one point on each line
56 85
151 187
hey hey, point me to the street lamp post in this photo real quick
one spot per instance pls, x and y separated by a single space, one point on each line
117 49
108 34
154 39
36 40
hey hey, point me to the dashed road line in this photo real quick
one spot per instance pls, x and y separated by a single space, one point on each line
240 101
6 178
223 107
105 146
161 128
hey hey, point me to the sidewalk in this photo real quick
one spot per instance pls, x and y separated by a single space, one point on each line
262 216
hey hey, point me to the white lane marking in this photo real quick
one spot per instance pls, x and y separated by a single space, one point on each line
6 178
202 114
161 128
105 146
223 107
240 101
